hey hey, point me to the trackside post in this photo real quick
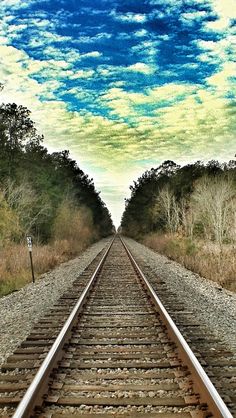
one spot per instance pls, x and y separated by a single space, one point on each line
30 247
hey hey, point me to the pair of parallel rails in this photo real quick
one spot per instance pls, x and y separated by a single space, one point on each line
109 348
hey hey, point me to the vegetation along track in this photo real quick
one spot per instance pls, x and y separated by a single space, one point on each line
115 355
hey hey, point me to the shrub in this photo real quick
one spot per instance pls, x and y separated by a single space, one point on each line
214 262
9 222
73 224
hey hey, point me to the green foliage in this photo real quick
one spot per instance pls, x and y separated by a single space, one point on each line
181 247
190 247
171 198
13 284
172 247
35 184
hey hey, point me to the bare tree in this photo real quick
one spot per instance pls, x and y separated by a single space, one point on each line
214 199
26 204
188 217
169 208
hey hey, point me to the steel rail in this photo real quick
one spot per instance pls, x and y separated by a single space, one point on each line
208 392
37 387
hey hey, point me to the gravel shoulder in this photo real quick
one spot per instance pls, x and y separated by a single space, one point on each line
19 311
212 305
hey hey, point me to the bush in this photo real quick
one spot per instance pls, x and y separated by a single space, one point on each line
190 247
210 261
9 223
74 225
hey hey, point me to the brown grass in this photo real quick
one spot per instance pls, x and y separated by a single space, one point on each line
207 259
15 269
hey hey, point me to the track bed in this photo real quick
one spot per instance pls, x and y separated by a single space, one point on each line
119 359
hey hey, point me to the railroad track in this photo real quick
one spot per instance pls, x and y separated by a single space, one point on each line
109 349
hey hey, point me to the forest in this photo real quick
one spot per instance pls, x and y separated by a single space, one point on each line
189 214
45 195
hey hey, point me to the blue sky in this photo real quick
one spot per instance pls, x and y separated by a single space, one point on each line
123 85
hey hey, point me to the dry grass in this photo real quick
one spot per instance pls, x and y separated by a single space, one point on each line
15 269
209 260
72 232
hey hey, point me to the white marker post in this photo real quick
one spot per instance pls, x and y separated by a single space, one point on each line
30 246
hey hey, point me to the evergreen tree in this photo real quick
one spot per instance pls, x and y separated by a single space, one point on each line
51 177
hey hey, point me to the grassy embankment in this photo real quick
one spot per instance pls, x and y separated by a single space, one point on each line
72 232
15 269
214 262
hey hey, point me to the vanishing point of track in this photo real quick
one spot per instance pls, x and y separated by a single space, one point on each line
108 348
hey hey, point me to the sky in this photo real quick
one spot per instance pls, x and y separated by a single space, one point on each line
124 85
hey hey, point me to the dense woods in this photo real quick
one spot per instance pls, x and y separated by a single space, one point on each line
189 214
42 194
36 187
197 199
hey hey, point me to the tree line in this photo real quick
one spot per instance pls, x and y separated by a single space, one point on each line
196 200
41 193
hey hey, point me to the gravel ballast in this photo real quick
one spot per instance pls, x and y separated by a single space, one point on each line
212 305
20 310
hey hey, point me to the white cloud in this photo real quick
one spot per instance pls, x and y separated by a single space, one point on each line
217 51
119 70
92 54
104 71
42 23
148 47
175 3
190 18
165 8
10 3
141 33
123 36
16 69
55 38
225 11
191 65
96 38
223 80
70 55
46 40
129 17
171 91
164 37
141 67
3 40
16 28
82 74
15 76
118 84
218 25
16 4
130 105
194 15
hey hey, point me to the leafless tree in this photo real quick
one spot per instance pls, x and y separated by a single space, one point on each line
25 203
215 199
188 217
169 208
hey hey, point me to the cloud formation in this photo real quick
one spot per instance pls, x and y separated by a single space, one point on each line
126 86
